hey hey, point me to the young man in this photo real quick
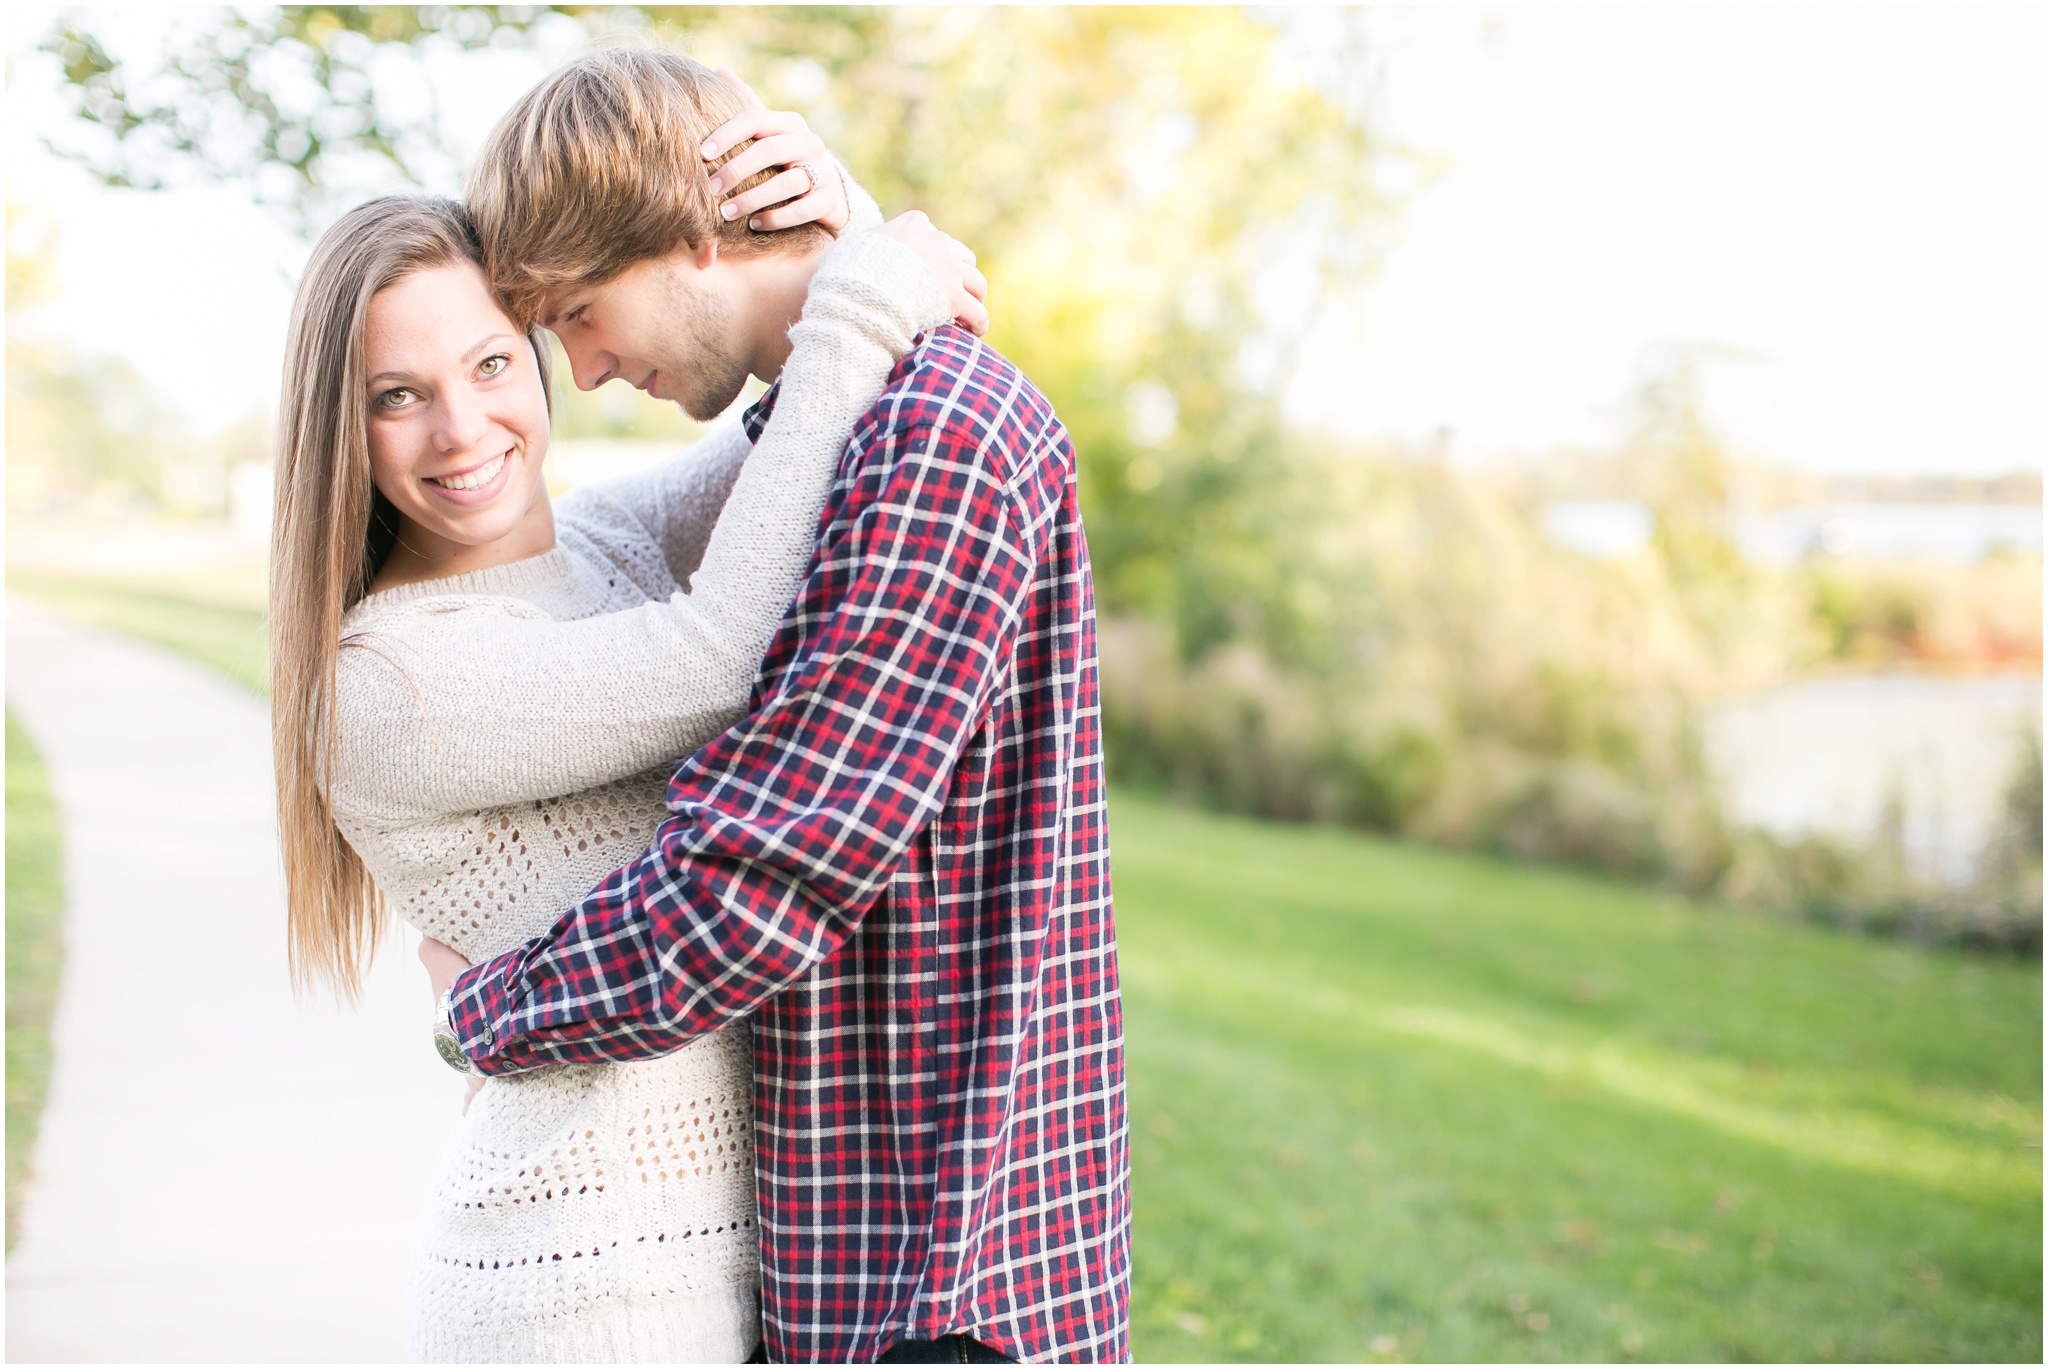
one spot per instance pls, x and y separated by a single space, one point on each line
897 867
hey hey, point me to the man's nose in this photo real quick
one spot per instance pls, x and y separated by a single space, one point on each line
590 365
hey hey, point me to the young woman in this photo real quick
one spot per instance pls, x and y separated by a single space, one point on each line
478 697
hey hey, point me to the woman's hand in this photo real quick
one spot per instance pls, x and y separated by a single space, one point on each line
951 261
444 964
808 191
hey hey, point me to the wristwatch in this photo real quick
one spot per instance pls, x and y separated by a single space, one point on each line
445 1044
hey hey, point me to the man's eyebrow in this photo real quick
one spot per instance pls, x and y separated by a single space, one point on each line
561 310
476 350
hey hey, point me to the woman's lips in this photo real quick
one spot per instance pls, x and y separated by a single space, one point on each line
476 486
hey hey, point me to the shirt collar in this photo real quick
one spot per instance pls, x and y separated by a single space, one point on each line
759 412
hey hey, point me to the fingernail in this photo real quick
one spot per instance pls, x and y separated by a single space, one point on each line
754 224
709 149
730 211
716 185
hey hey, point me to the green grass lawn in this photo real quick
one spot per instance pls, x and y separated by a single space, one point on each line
35 950
1389 1103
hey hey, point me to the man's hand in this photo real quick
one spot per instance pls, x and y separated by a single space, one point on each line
809 191
951 260
444 963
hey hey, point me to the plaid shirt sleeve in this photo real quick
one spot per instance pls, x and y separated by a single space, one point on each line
784 833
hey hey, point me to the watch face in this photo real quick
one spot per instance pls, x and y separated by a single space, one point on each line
451 1052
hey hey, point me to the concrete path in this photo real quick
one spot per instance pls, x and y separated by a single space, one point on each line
223 1173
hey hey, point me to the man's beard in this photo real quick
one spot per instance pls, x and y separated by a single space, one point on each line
703 370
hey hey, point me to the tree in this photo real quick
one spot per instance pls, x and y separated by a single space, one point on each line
286 101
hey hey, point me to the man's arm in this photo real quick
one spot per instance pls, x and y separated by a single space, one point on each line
784 832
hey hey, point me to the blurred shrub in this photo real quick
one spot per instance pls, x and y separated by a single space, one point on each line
87 431
2003 907
1869 887
1423 661
1355 637
1360 638
1880 613
81 431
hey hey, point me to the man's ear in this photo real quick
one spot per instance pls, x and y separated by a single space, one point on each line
705 254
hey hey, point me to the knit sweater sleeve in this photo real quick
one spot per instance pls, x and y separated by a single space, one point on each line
461 702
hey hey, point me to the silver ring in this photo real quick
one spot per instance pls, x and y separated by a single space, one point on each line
811 170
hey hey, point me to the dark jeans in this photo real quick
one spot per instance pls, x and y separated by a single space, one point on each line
944 1350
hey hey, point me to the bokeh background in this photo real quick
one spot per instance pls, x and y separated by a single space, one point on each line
1565 494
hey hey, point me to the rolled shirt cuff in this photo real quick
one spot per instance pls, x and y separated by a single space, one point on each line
480 1011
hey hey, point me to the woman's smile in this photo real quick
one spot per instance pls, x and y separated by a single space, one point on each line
477 485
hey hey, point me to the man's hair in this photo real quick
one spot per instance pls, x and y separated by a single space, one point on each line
598 167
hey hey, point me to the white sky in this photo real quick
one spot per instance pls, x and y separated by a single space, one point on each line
1858 197
1854 195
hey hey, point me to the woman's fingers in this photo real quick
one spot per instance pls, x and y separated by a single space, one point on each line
752 123
951 262
781 149
971 278
974 317
732 78
444 964
970 301
790 193
789 185
806 191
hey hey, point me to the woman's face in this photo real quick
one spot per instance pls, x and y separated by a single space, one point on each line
458 414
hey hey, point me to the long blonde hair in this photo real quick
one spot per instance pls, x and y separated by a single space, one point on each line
330 533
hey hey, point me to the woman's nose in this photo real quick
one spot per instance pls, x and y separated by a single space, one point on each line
462 423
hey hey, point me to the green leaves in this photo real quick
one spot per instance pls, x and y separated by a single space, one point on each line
283 101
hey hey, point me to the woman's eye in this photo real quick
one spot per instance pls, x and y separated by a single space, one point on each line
395 399
493 365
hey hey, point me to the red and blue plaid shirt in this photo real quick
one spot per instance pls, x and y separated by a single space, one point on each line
898 867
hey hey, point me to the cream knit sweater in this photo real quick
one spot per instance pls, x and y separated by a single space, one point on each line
505 741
